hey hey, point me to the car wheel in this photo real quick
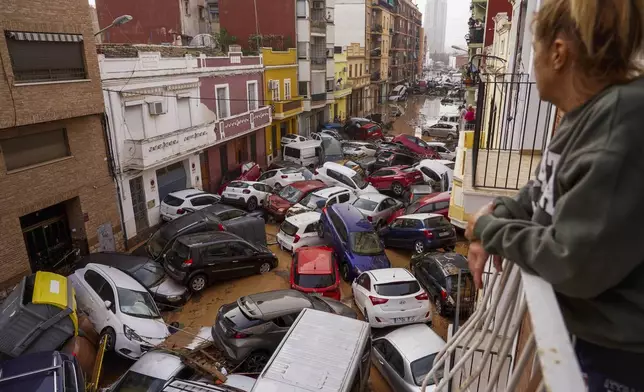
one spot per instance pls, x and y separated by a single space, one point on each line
450 137
419 247
345 272
439 306
197 283
425 133
264 267
251 204
277 186
109 334
397 188
320 230
366 315
256 362
449 248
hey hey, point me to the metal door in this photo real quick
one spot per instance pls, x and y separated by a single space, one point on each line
139 206
170 179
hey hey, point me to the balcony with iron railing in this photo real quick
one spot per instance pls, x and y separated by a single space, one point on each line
515 340
318 21
475 37
287 108
376 29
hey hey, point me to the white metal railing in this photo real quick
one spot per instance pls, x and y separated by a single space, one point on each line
482 354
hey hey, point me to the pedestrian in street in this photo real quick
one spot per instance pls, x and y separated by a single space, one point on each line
578 224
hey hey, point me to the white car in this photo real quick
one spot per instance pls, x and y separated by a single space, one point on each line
334 174
176 204
390 296
299 231
290 138
377 208
121 309
249 194
157 369
437 172
359 149
322 198
443 151
279 178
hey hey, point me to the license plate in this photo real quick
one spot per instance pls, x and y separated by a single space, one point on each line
402 319
445 234
316 294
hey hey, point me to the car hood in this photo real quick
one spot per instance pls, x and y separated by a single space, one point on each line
168 287
369 189
153 331
340 308
278 202
298 209
367 263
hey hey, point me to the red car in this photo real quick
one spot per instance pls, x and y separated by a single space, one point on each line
315 270
395 178
417 145
277 205
249 171
436 203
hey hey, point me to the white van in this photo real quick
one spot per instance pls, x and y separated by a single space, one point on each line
322 352
308 153
438 172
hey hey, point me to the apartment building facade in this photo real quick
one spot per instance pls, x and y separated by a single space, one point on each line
380 30
57 189
342 86
405 45
175 22
179 119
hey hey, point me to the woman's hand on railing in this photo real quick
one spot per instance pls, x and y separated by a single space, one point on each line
477 255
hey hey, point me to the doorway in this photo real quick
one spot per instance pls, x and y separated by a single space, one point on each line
47 237
139 207
205 172
253 148
170 179
274 140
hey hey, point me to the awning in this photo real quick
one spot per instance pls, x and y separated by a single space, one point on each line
49 37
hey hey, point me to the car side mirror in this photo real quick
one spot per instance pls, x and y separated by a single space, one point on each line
108 304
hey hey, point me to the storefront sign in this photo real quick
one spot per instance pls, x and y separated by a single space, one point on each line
163 145
195 135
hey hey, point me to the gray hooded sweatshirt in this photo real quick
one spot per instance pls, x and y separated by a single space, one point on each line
580 224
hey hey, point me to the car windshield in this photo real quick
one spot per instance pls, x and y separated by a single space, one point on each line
449 165
413 207
397 289
288 228
306 173
156 244
137 303
311 201
438 221
365 204
149 274
360 181
422 366
290 194
137 382
314 281
173 201
366 243
417 196
467 284
238 184
422 143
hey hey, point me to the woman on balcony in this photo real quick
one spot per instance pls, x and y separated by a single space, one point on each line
578 225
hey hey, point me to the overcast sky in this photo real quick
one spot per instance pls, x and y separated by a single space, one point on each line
458 12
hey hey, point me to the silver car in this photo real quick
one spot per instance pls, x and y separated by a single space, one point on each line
405 355
377 208
442 130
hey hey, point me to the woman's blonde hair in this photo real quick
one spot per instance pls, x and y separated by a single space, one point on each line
606 35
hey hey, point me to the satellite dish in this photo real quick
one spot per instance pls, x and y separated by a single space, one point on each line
207 40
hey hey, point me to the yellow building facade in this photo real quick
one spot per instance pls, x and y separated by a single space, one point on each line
358 79
342 87
281 92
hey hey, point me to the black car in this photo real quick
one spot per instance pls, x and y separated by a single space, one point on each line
438 274
146 271
389 158
42 371
218 217
197 260
394 147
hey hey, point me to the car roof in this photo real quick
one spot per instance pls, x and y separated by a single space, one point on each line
118 260
118 277
305 144
451 262
377 197
390 275
275 303
435 166
441 144
415 341
315 261
434 197
207 238
421 189
352 218
340 168
305 218
246 182
332 190
307 185
420 216
370 125
186 193
444 161
158 364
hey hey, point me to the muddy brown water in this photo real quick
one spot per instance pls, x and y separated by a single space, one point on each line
202 309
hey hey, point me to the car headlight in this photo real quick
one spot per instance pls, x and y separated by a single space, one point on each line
130 334
281 209
174 298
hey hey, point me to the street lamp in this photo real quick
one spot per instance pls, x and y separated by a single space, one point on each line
459 48
121 20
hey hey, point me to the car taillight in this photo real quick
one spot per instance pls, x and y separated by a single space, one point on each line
221 227
370 219
422 297
377 301
180 211
428 234
240 335
187 263
246 191
315 172
284 176
297 238
443 294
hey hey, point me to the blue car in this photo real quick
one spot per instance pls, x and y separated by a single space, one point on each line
420 232
357 246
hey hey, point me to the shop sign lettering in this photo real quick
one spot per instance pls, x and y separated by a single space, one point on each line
195 135
163 146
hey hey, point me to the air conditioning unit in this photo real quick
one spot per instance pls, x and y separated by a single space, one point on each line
273 84
318 5
157 108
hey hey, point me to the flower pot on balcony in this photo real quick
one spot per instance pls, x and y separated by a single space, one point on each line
468 82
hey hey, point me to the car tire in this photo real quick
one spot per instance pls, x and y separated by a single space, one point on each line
450 137
345 272
197 283
397 189
425 133
251 205
419 247
265 267
439 306
278 187
109 334
255 362
320 230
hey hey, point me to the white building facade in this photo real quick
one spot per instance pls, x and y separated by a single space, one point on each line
435 25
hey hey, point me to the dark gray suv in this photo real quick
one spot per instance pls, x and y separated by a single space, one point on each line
251 329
